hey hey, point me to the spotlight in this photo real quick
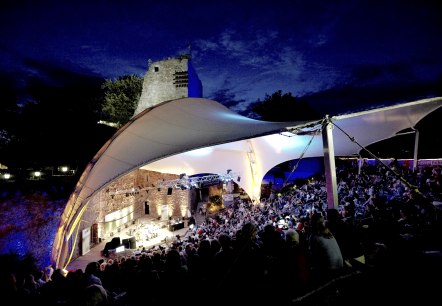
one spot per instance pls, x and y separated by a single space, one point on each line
229 170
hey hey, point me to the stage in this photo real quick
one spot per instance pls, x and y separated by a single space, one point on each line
147 233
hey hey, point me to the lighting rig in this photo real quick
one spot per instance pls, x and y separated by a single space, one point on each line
184 182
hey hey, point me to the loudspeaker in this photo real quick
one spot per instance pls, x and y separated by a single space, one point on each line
169 191
126 243
133 243
146 208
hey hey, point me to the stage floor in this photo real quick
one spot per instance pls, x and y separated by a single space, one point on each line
140 230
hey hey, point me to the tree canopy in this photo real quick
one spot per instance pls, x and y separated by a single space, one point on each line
44 129
281 107
120 98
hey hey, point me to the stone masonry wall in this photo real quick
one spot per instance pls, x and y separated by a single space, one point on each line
131 193
165 80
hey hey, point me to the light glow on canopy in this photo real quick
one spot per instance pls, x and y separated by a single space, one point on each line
200 152
283 143
235 116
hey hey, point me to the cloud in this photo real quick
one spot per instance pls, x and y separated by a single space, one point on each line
228 99
353 98
260 60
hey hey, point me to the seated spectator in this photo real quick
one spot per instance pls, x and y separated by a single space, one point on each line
91 273
348 237
95 295
295 266
326 256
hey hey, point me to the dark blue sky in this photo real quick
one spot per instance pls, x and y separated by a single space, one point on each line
333 52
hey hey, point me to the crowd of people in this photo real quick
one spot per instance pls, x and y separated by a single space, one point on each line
277 251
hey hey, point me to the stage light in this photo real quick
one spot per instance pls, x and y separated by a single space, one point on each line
120 249
36 175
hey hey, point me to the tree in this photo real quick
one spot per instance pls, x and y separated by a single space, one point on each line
281 107
9 114
46 127
121 98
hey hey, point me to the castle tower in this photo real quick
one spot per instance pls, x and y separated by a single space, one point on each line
169 79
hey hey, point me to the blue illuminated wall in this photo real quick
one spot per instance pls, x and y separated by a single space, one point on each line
305 169
195 87
29 226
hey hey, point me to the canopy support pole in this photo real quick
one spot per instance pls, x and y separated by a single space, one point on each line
329 164
416 146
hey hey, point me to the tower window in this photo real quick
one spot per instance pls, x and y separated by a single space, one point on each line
156 69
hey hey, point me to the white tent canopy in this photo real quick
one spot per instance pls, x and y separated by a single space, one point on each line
196 135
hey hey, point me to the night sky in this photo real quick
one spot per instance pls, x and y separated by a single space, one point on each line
338 55
335 56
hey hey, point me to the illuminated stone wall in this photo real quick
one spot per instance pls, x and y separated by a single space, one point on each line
169 79
131 193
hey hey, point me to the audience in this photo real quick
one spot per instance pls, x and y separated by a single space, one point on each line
287 245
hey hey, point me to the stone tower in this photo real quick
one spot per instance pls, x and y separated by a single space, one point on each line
169 79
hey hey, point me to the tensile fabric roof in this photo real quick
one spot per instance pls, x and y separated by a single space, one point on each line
197 135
